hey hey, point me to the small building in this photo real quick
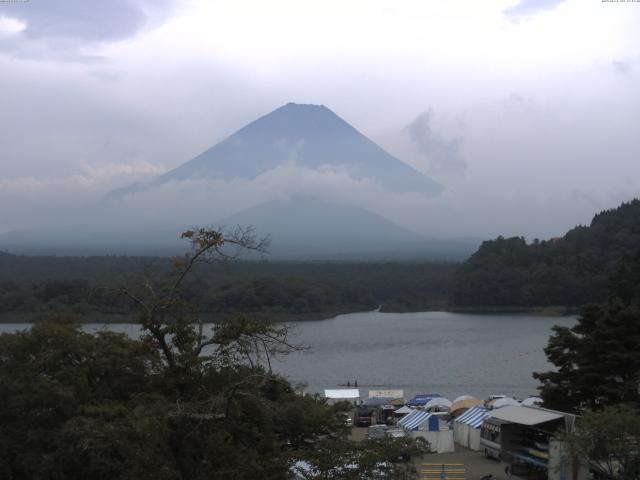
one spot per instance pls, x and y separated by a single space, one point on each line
431 427
466 427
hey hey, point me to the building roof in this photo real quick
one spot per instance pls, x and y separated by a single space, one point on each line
525 415
473 417
343 393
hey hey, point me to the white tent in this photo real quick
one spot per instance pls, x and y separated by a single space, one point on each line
404 410
503 402
466 428
343 394
532 401
439 403
463 397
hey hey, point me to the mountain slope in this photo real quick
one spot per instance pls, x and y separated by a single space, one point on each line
570 271
310 226
310 136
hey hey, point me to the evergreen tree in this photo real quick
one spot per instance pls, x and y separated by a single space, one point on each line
598 360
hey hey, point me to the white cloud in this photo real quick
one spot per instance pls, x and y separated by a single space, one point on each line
11 26
439 141
527 8
27 202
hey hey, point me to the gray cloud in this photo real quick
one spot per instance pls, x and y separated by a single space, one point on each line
526 8
441 151
61 29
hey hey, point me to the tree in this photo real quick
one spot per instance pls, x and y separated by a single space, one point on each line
609 440
344 460
183 402
569 271
598 361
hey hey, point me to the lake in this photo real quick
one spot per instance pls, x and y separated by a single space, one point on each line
433 352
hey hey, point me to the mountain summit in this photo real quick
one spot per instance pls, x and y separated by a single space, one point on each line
309 136
295 205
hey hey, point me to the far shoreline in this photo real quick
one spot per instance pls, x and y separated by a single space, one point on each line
103 318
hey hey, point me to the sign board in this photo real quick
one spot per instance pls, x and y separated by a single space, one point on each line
386 393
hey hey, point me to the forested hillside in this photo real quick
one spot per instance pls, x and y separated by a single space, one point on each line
569 271
30 286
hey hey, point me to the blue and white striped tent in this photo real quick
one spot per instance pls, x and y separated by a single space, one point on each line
466 428
417 419
473 417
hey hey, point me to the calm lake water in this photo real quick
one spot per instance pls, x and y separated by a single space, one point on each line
435 352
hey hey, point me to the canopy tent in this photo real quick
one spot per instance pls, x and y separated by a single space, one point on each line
460 406
532 401
343 394
462 397
438 403
404 410
427 425
473 417
503 402
422 399
466 428
420 420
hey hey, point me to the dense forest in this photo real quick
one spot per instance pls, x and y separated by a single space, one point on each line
571 271
30 286
505 273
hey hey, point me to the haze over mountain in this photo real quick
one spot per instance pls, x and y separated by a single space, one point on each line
278 166
306 227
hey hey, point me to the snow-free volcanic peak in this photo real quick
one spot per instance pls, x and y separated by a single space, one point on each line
311 136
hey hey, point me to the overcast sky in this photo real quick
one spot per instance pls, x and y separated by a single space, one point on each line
526 111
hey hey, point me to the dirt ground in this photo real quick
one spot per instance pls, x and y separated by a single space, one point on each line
476 465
